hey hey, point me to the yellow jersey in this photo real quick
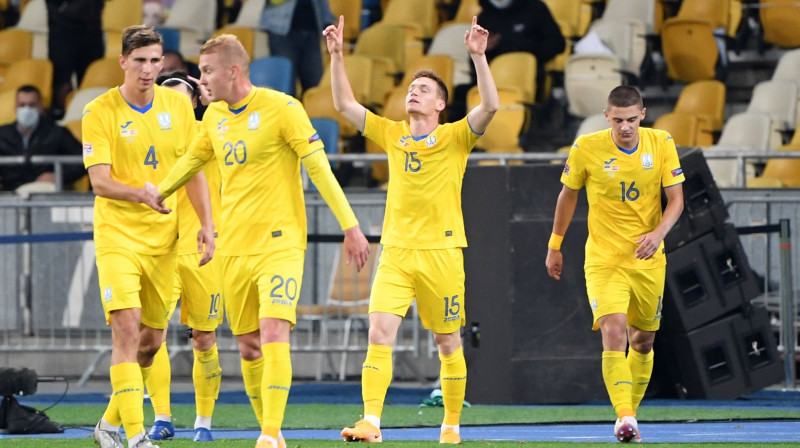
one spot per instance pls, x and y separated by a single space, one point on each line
258 143
623 188
188 222
141 145
423 205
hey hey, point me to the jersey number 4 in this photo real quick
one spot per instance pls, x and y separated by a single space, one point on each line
150 158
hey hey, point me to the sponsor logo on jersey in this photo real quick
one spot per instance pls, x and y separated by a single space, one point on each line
253 120
647 161
87 150
222 128
313 138
608 167
164 121
677 172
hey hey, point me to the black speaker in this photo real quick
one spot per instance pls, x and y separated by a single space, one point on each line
706 279
728 358
703 207
536 345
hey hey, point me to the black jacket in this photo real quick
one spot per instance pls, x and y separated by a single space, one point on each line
47 139
526 25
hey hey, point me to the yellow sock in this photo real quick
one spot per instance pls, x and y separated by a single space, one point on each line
617 376
275 386
376 374
252 371
111 415
158 379
207 375
641 365
453 375
126 380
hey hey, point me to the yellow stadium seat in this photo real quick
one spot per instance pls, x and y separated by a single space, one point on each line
779 20
351 10
419 14
502 134
705 99
690 49
318 102
567 14
36 72
516 70
15 45
725 14
684 128
359 73
8 107
385 45
780 172
104 72
120 14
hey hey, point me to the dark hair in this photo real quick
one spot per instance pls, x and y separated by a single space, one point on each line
175 78
176 53
432 75
139 36
28 88
625 96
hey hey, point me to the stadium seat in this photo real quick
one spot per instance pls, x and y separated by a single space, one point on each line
718 13
104 72
788 66
328 130
250 14
120 14
779 19
626 39
567 13
690 49
705 99
15 45
8 107
420 15
742 132
385 45
351 10
172 39
643 11
394 108
467 9
686 129
195 20
33 19
778 99
79 100
359 73
319 103
275 72
253 41
516 70
502 134
780 173
590 124
588 78
36 72
449 40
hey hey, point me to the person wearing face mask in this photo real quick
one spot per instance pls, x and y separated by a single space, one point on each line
522 25
33 134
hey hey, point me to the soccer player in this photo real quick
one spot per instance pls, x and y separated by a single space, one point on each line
623 169
423 230
200 290
133 135
260 137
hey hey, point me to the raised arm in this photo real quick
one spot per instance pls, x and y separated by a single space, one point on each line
343 99
475 39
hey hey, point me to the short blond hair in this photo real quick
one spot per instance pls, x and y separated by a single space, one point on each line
230 50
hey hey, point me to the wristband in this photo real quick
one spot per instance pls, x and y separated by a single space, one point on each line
555 241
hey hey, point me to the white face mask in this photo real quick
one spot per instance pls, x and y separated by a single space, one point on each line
501 4
27 117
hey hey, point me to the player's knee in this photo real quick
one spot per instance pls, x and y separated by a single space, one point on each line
447 343
203 340
382 335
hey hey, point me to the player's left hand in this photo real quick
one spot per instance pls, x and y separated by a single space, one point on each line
648 246
205 240
476 38
356 246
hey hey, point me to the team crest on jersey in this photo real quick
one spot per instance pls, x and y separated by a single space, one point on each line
164 121
222 128
253 121
107 294
610 168
430 141
647 161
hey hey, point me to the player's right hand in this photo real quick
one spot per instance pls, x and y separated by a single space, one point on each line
554 262
154 199
334 36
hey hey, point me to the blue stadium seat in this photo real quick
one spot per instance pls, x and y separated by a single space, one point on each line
172 38
274 72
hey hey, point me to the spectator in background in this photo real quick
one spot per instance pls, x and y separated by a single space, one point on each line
174 62
75 39
32 134
153 13
522 25
295 29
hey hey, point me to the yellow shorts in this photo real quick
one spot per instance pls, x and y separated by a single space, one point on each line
638 293
435 277
260 286
131 280
200 291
